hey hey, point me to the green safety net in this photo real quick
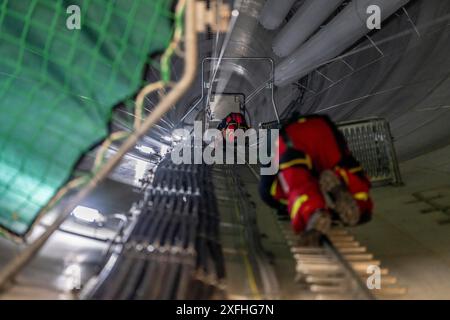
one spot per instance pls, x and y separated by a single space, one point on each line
58 87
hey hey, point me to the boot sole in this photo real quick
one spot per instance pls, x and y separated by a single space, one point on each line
342 200
320 223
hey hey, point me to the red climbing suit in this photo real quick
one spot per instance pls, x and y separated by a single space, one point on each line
308 146
233 121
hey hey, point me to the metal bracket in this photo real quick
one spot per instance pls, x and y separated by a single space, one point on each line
217 16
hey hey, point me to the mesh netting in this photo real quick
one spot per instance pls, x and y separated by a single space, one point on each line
58 87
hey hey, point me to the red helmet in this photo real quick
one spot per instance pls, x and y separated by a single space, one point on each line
233 121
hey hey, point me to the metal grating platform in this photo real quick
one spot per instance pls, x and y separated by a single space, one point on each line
371 142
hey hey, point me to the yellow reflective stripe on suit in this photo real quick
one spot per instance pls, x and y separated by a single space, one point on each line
305 161
363 196
273 188
354 170
273 192
297 205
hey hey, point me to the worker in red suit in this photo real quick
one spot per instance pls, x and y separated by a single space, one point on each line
230 123
318 178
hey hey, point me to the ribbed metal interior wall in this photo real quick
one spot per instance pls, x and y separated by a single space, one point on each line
404 79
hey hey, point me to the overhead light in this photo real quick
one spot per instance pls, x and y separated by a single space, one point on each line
88 215
140 170
145 149
177 137
167 138
73 276
163 150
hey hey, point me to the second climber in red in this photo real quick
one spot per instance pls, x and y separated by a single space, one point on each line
230 123
318 178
